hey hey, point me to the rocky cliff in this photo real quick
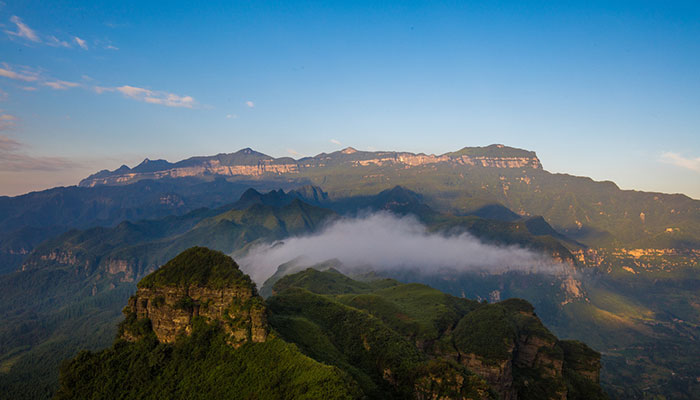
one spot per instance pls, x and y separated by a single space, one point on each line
171 310
198 283
507 345
248 163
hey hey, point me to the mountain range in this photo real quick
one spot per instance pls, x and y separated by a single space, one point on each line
595 213
70 257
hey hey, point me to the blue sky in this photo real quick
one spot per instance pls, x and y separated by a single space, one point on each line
607 89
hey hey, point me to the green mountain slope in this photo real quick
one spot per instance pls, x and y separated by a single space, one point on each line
72 287
470 180
321 346
633 302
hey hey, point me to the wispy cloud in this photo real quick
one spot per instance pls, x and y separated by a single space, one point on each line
7 121
29 75
3 95
336 141
676 159
250 104
293 152
83 45
60 85
55 42
133 92
23 31
231 116
8 144
24 75
150 96
12 159
103 43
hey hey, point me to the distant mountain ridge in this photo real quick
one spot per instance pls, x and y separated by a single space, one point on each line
250 163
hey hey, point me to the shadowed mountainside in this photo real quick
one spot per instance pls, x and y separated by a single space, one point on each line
379 339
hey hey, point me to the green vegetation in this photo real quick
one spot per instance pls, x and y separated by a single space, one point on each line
327 282
425 324
414 310
197 266
579 361
486 332
133 326
200 366
645 322
332 337
349 338
493 150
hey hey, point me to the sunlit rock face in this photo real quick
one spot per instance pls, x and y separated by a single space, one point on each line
199 284
237 309
248 163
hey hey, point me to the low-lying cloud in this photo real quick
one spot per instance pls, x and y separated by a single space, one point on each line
387 242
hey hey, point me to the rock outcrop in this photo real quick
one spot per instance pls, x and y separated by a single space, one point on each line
523 356
171 310
198 283
248 163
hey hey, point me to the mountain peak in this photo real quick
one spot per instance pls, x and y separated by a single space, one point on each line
247 150
198 282
348 150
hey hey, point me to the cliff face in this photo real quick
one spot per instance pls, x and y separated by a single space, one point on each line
251 164
237 309
531 362
198 283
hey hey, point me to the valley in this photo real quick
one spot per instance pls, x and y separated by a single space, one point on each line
71 257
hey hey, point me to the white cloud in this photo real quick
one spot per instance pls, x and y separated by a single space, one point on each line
150 96
23 31
386 242
60 85
231 116
53 41
133 92
83 45
676 159
110 47
293 152
336 141
26 75
250 104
